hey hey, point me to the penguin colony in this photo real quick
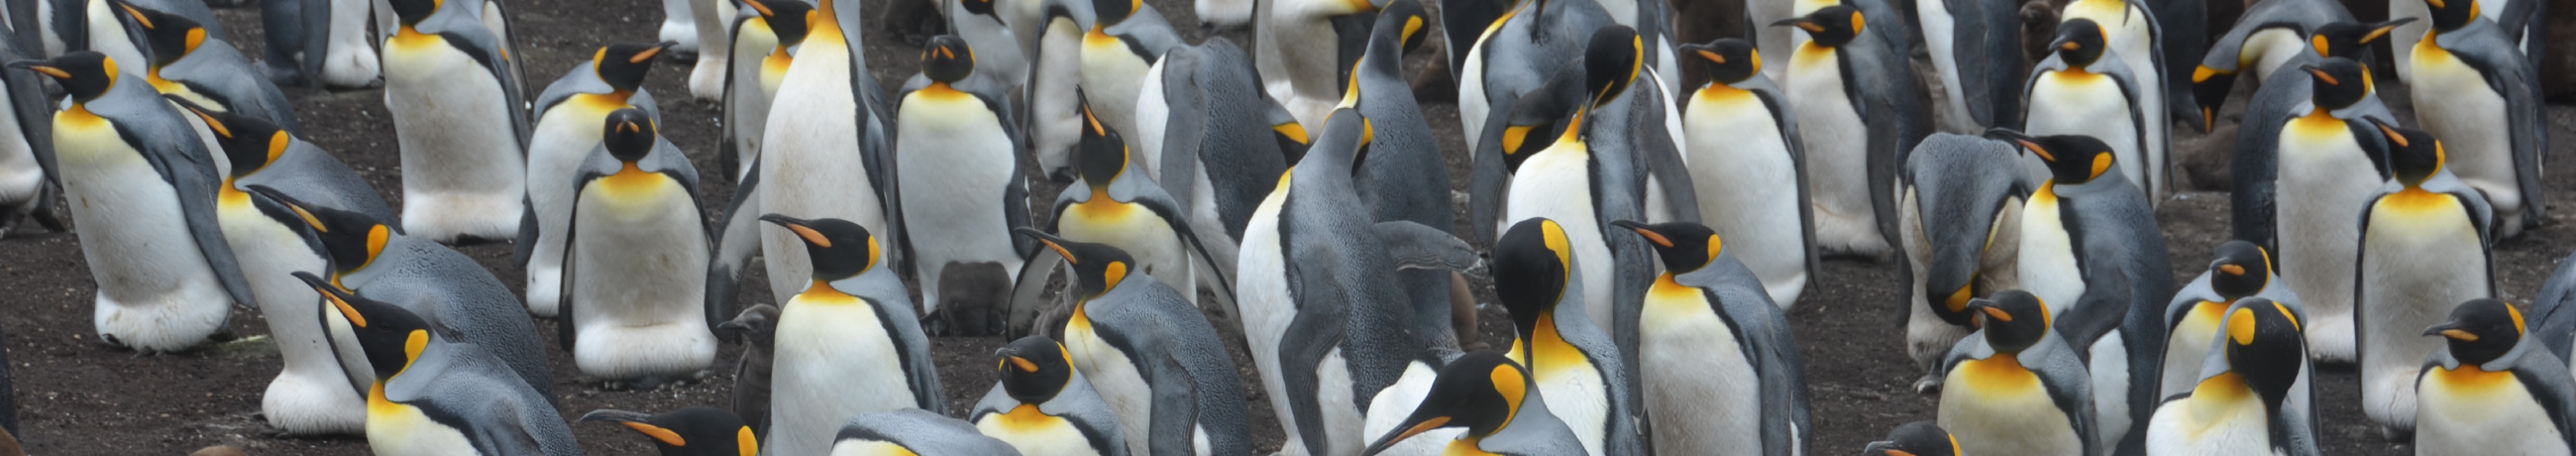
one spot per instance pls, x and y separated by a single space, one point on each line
1646 236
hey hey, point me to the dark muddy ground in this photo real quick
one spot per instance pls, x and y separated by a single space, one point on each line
79 396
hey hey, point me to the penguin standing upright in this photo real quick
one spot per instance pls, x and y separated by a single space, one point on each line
2515 18
1721 367
2251 394
143 192
956 143
2016 387
690 431
1303 50
827 148
2474 89
763 42
1568 181
848 344
569 117
2490 389
633 244
1402 174
455 99
2131 30
2089 239
1055 104
187 63
2327 167
1496 401
1960 215
1151 355
2085 88
2426 240
1976 52
1126 37
1114 202
913 432
1858 117
1222 140
1044 406
2198 313
1535 276
2255 168
1745 158
29 182
433 396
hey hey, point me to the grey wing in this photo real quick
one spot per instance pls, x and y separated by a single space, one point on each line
596 166
1317 328
1148 29
578 80
184 165
2068 383
465 30
2547 381
1411 245
737 238
223 71
1986 31
1656 152
478 393
27 101
904 328
2256 166
923 432
1764 333
2556 325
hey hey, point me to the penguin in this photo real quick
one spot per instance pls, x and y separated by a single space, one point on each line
2198 313
1221 139
1535 274
827 148
1747 163
2489 389
763 41
848 344
2326 168
982 24
679 27
98 26
1960 217
2252 395
1711 340
1055 104
956 144
1224 13
569 116
1568 181
320 43
689 431
710 57
2015 386
1653 22
453 91
632 247
913 432
1858 117
1496 401
2090 239
2427 238
1920 438
1151 356
29 182
1114 202
143 192
1403 174
187 63
2514 18
1126 38
2270 34
1304 50
430 395
1979 71
2475 90
2256 164
1532 124
2134 31
437 284
1044 406
757 330
309 396
2086 88
1514 54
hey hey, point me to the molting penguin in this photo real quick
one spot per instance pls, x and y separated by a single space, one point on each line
2490 389
1496 402
187 63
2198 313
2133 31
1126 37
2089 239
1978 60
2474 89
143 191
2426 240
1304 49
1721 369
2256 165
956 146
433 396
1044 406
2251 395
632 288
1535 276
2085 88
2326 167
569 118
690 431
764 38
1913 439
1960 216
454 94
913 432
848 344
1151 355
2016 387
1857 118
1741 141
828 149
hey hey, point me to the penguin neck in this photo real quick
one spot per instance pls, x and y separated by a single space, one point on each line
1542 348
1468 446
826 26
821 291
2218 396
228 196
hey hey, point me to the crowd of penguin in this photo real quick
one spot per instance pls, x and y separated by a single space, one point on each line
1645 236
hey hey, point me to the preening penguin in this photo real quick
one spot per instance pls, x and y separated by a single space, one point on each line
764 40
1512 55
187 63
1858 117
1303 50
1535 276
848 344
569 118
1721 369
454 95
433 396
1919 438
1750 172
2089 239
2251 395
2474 89
2490 389
2325 168
2271 33
142 189
29 181
1960 217
2132 31
1496 402
2015 387
632 290
1569 181
2085 88
987 26
913 432
1044 406
690 431
1151 355
2198 313
1976 53
828 149
2426 240
956 146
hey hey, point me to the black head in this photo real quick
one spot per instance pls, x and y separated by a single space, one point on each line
692 431
2351 40
410 12
1533 262
1034 369
1919 438
2265 345
1543 117
1404 20
1729 60
84 74
2450 15
2339 82
1102 155
947 59
168 36
1831 26
1111 12
2241 269
1611 62
391 337
1684 246
1345 127
786 18
839 249
2080 42
2072 159
2413 155
628 135
1481 391
623 65
248 142
2209 89
2480 330
352 240
2013 320
1096 267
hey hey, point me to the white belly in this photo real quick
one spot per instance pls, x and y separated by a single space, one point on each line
1153 116
1058 128
1991 411
2475 414
812 166
834 359
1117 379
1111 77
1698 382
1036 434
1557 184
2064 103
2109 367
155 290
2232 427
2047 266
107 36
1581 399
1837 147
2269 49
956 163
402 430
352 60
1748 187
311 395
2325 181
749 109
462 170
21 177
1472 105
2453 102
1302 77
1261 293
1146 237
2419 259
562 139
2129 35
2188 347
1938 33
640 280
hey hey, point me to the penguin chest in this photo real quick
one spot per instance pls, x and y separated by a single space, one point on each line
133 230
640 256
2048 268
2473 411
268 253
1118 380
2189 346
753 41
2455 104
399 429
1580 397
1036 433
2267 49
1262 289
1747 185
834 358
2221 416
1995 406
2325 180
1112 73
2078 102
564 137
1132 227
956 164
2421 239
1557 184
1829 125
1697 375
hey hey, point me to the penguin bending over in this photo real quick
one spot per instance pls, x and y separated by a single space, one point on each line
1858 117
434 396
913 432
1497 403
2475 89
2270 34
689 431
631 283
2198 313
848 344
1742 144
1151 355
1716 352
2089 239
956 146
2427 239
569 118
2490 389
2016 388
187 63
1961 219
453 91
764 40
2252 395
1535 275
1044 406
2326 168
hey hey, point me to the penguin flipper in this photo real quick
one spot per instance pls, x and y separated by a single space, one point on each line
524 245
2069 384
1660 156
1028 292
736 240
903 329
1489 181
1316 330
1412 245
184 165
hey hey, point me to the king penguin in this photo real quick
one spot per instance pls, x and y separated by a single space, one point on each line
689 431
453 93
1304 49
2474 89
2515 18
1214 139
2198 313
2089 239
1055 103
1960 217
1498 405
1402 173
1746 160
2085 88
848 344
434 396
2256 165
1536 278
1569 181
187 63
1976 53
319 43
143 191
1151 356
913 432
1721 368
2270 34
1512 55
569 118
633 246
1114 202
764 40
2325 169
1919 438
99 26
2015 387
985 25
956 146
1857 120
1044 406
2490 389
2251 394
1126 37
2132 31
29 182
827 150
2426 241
